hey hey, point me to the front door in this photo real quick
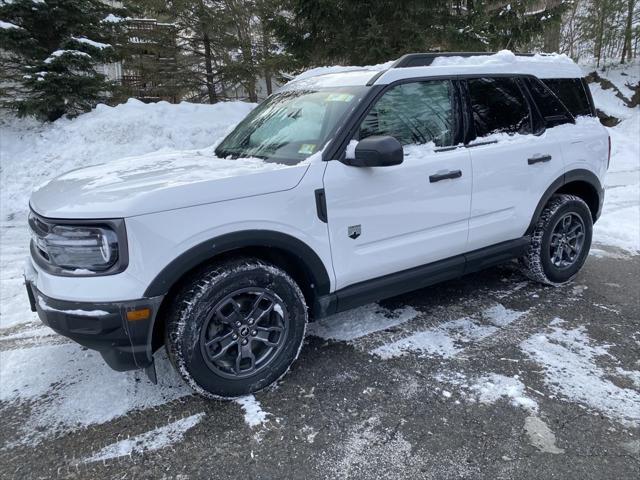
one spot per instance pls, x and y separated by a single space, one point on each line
387 219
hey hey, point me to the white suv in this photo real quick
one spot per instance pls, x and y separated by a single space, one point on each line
338 190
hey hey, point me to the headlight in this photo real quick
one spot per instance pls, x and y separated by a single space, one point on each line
74 248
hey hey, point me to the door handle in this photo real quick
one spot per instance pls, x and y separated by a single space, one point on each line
445 176
540 159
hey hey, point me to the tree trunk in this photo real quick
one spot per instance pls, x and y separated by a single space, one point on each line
599 44
265 57
208 66
552 30
626 45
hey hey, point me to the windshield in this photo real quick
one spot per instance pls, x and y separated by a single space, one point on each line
291 125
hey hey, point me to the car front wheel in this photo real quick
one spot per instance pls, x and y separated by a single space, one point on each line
236 328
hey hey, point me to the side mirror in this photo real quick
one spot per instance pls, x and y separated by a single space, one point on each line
377 151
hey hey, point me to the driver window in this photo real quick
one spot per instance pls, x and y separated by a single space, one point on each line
413 113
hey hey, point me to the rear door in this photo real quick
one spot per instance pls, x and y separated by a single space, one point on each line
513 160
387 219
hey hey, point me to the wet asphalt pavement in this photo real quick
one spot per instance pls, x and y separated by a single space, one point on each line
345 412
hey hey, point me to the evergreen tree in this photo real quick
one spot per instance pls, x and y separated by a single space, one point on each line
51 52
491 25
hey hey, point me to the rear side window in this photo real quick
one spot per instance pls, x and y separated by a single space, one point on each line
571 92
498 106
551 109
414 113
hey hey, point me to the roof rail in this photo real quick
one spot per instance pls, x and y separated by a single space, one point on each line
426 59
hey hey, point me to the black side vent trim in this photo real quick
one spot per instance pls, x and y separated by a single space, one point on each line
321 205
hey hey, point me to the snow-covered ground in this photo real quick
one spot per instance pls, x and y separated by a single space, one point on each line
32 153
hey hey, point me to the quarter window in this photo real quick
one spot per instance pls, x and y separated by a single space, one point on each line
571 92
552 110
498 106
414 113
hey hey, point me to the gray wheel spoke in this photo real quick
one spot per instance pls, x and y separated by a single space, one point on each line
238 361
261 337
273 328
234 316
223 348
246 352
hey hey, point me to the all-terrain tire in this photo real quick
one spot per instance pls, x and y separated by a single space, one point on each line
245 287
537 263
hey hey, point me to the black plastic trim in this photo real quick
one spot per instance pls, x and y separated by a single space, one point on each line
445 176
124 345
225 243
568 177
321 205
541 159
587 92
115 224
419 277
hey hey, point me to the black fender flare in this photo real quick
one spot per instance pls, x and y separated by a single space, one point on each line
568 177
210 249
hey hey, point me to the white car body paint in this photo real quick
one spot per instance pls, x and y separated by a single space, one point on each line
406 221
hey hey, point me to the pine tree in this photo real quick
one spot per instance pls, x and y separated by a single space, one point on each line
51 53
491 25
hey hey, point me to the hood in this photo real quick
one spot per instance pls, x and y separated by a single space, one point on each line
160 181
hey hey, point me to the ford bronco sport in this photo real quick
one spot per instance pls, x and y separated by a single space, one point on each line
338 190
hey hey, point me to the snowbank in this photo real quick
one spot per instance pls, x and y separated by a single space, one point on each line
619 224
32 153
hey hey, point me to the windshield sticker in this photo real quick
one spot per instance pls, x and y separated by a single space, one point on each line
307 148
339 97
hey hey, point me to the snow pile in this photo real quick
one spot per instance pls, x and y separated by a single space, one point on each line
315 72
91 43
167 169
448 339
356 323
59 53
155 439
8 26
503 57
493 387
33 153
254 415
568 359
51 379
619 224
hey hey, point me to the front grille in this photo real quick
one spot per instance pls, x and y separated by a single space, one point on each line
38 230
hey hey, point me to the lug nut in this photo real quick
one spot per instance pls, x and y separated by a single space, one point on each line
254 332
238 324
245 341
251 320
234 336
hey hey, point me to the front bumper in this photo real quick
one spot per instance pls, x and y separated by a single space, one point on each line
124 344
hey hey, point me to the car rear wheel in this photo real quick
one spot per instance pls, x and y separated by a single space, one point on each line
560 241
236 328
